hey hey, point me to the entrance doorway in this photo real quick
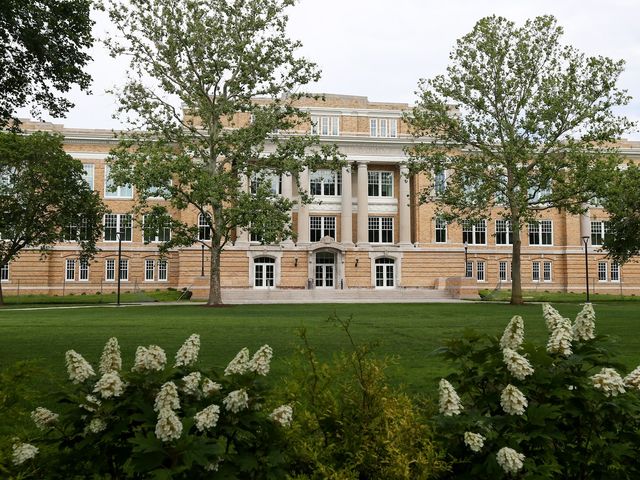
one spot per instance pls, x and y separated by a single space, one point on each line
325 270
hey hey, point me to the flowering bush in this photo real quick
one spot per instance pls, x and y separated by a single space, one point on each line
157 421
517 410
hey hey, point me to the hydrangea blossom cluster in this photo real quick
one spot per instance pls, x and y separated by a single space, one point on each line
207 418
23 452
282 415
584 327
167 398
44 418
151 358
78 368
450 403
188 353
192 383
609 381
97 425
551 316
169 426
236 401
474 441
110 385
513 335
210 387
510 460
110 361
633 379
261 361
92 404
513 400
561 337
240 363
517 364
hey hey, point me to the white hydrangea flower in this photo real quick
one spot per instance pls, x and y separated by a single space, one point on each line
609 381
191 383
474 441
585 325
282 415
561 337
213 467
207 418
23 452
450 403
510 460
79 369
110 385
236 401
110 361
240 363
551 316
517 364
167 398
210 387
633 379
513 400
93 402
188 353
151 358
97 425
169 426
513 335
44 418
260 363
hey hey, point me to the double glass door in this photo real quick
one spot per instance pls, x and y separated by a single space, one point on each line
325 270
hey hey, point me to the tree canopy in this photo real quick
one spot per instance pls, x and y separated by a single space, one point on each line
210 103
519 124
43 197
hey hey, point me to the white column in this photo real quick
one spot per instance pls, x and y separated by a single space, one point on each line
346 223
585 225
363 204
303 210
287 192
242 235
404 209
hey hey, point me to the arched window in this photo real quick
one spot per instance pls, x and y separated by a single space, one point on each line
385 272
264 272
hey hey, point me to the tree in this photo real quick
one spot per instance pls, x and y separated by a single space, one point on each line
520 123
211 60
43 197
43 44
621 199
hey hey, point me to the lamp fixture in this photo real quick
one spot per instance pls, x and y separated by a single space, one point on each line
357 260
295 262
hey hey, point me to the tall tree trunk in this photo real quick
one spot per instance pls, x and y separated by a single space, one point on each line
215 290
516 264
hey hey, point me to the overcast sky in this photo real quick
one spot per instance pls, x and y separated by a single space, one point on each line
380 48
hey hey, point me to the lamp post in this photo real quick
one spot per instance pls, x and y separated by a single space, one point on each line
202 260
466 248
119 234
585 240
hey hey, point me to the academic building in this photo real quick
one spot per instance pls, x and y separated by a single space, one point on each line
364 236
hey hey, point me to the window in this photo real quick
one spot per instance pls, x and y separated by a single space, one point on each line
546 271
110 270
615 272
264 272
503 271
87 176
385 272
124 270
537 194
380 229
320 227
160 192
504 233
602 271
204 229
325 125
468 271
325 182
380 184
160 234
149 270
114 223
267 179
599 231
84 270
4 272
480 270
163 270
541 233
439 182
383 127
78 231
70 270
535 271
115 191
474 233
441 230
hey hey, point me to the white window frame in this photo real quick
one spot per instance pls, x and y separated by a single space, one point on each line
327 224
474 228
4 272
547 266
481 271
375 180
204 229
603 271
156 238
506 224
89 174
325 125
538 229
602 228
439 182
124 269
163 270
468 270
384 264
503 271
383 127
275 182
121 226
265 281
119 192
324 181
535 271
70 268
83 270
110 270
149 263
157 193
615 272
441 226
376 227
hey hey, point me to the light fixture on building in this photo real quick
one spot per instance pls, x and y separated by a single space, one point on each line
466 248
585 240
357 260
295 262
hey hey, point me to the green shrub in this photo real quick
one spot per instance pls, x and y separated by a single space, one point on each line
350 424
529 412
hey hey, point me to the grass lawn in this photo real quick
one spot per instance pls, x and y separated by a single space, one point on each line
165 295
556 297
408 332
